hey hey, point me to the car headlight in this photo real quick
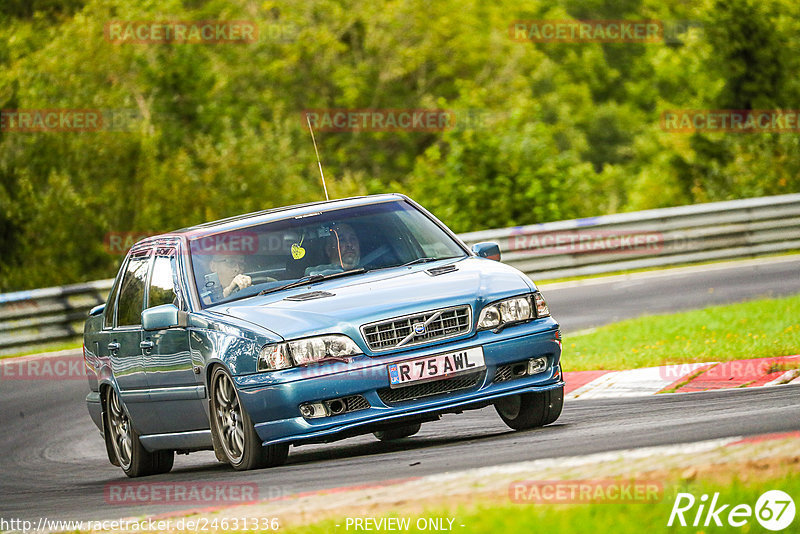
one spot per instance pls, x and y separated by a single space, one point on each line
274 357
304 351
313 349
514 310
542 310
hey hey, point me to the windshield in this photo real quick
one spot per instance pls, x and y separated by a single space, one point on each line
243 262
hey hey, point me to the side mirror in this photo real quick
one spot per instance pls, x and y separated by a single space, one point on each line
163 317
97 310
487 249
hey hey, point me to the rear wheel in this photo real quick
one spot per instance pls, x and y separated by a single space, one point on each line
133 458
399 432
233 430
530 410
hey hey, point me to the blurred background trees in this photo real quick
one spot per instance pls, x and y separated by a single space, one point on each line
544 131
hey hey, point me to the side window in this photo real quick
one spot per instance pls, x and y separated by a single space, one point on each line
108 313
162 282
131 294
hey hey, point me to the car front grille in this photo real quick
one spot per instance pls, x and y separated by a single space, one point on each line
400 331
393 396
355 403
511 371
503 373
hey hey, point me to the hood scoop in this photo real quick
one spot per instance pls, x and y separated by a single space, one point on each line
436 271
311 295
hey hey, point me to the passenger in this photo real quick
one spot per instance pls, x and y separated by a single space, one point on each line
230 269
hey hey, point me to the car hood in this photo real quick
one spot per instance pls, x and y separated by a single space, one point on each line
374 296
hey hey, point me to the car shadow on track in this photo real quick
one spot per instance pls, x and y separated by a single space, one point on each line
299 457
365 446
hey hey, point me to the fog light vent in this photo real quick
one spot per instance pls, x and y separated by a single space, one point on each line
537 365
328 408
313 410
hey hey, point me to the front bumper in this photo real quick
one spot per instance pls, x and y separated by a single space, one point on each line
273 399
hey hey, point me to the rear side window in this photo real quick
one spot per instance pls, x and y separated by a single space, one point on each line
131 294
108 313
162 282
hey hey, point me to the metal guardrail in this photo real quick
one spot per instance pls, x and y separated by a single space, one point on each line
595 245
41 316
652 238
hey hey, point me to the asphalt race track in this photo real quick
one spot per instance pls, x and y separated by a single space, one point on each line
53 463
598 302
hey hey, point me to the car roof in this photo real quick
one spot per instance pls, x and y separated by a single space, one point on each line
258 217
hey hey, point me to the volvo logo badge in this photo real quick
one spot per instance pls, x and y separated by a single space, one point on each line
419 328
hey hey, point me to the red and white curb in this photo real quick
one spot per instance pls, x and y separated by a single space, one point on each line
682 378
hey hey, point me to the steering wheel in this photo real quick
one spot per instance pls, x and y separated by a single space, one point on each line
262 277
375 255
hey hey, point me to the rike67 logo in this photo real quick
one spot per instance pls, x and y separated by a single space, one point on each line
774 510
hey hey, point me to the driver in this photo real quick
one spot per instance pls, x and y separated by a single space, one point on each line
343 250
230 269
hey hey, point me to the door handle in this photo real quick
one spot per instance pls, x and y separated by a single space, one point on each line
146 345
113 346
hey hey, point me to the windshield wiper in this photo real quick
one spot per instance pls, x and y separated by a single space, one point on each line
426 260
413 262
311 279
418 260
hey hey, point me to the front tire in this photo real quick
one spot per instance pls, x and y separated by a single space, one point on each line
530 410
399 432
233 432
131 456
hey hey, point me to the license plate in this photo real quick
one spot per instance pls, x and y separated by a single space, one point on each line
436 367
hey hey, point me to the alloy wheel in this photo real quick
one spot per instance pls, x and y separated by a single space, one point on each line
120 430
228 413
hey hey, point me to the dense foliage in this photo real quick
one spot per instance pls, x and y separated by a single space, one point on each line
545 131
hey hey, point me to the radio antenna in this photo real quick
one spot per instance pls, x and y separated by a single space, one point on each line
325 187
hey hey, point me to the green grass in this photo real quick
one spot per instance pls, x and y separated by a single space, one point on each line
775 367
597 518
50 347
755 329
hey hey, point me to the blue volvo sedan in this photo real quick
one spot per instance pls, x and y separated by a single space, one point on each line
309 324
